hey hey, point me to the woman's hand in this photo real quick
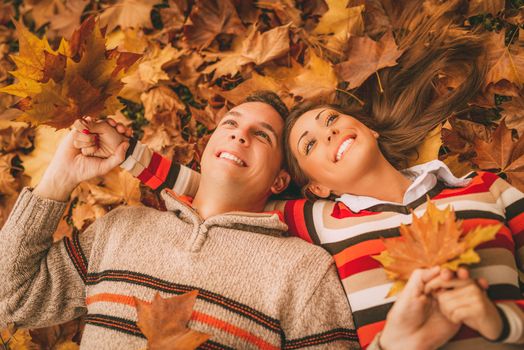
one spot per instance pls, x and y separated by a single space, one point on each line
69 167
99 138
464 300
415 321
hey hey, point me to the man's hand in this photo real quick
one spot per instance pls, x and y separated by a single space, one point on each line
69 167
464 300
415 321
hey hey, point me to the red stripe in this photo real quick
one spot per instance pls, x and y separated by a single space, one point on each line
517 224
297 208
367 333
362 264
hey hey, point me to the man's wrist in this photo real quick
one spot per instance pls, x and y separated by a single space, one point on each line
51 189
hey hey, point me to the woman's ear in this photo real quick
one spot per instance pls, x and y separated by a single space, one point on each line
375 134
319 190
281 182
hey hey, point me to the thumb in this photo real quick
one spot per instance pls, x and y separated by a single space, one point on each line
116 158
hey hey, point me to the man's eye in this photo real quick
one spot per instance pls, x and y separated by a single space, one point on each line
229 121
264 135
331 118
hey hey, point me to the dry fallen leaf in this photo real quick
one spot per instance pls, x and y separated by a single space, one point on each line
80 78
128 14
356 70
434 239
504 62
502 154
164 322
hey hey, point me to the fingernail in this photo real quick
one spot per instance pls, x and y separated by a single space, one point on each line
85 131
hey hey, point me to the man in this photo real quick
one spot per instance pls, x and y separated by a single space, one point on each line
257 288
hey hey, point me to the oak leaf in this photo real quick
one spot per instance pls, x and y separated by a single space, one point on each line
164 322
502 154
366 57
513 113
434 239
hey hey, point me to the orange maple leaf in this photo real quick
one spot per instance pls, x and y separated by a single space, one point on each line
434 239
164 322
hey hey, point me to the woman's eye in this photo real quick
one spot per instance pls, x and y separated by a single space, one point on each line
331 118
229 122
308 146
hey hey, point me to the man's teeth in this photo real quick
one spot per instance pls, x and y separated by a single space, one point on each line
232 157
343 147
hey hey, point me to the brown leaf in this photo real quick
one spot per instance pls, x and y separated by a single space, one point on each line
513 113
16 137
260 48
128 14
366 57
504 62
8 183
503 154
55 336
164 322
160 100
209 18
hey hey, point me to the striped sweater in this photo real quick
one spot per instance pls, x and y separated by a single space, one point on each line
257 289
352 238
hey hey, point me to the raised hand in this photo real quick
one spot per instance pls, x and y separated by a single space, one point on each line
69 167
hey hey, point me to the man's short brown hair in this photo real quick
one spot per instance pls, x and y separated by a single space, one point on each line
270 98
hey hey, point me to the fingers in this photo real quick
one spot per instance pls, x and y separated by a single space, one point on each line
440 283
419 277
116 159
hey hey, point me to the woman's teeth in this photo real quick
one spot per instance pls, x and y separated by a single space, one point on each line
343 147
232 157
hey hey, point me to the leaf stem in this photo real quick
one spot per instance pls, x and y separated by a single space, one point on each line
379 83
360 102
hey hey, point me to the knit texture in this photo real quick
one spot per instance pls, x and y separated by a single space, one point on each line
257 288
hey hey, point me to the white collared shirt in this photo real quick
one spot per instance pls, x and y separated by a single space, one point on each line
423 176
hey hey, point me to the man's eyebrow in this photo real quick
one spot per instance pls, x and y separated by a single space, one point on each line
233 113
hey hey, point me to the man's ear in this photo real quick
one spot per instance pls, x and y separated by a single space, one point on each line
375 134
319 190
281 182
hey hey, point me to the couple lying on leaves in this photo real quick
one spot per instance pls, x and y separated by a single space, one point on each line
267 280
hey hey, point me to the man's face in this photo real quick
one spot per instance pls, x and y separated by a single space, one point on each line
246 150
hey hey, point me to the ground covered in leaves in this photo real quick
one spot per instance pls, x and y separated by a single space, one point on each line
199 58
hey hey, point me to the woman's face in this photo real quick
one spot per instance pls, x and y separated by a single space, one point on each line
333 149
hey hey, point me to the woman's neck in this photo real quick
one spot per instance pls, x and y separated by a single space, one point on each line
383 182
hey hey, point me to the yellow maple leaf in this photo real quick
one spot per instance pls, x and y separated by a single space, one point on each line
80 78
434 239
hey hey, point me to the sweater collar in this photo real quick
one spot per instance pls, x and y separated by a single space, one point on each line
423 176
270 223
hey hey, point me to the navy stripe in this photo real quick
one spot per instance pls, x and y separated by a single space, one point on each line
515 209
132 145
78 246
310 222
256 316
337 334
371 315
171 178
70 252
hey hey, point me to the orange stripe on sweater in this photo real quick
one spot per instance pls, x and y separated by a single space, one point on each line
196 316
217 300
365 248
367 333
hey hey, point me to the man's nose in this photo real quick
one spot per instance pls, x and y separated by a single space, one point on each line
240 137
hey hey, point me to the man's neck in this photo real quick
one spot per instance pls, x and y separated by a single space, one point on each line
209 202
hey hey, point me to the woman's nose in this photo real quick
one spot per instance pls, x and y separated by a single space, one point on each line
330 134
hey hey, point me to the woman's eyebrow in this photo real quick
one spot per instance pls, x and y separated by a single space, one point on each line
319 113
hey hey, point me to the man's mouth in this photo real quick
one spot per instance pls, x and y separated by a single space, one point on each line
344 146
231 157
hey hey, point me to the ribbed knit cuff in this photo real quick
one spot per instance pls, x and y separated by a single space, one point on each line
34 213
513 323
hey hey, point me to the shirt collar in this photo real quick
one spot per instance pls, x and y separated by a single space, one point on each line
423 176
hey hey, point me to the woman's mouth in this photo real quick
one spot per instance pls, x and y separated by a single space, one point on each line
344 146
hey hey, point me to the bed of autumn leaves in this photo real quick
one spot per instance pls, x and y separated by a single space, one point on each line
199 58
